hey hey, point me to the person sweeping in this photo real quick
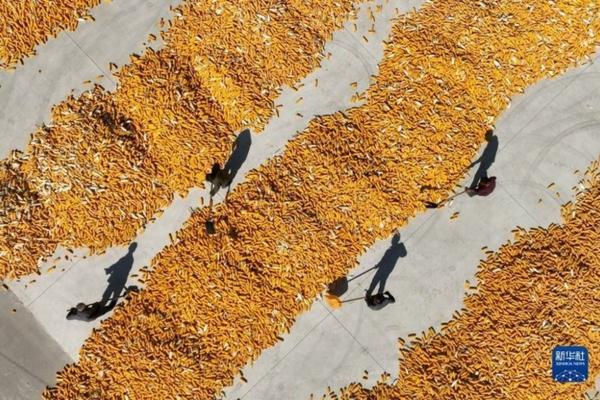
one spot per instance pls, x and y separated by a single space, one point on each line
485 187
218 178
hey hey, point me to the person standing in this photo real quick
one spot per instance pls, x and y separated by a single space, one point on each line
218 178
379 300
485 187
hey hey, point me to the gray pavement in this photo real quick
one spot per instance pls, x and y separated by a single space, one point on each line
29 357
548 132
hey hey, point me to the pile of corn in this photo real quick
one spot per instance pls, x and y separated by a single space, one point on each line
110 161
536 293
212 303
25 24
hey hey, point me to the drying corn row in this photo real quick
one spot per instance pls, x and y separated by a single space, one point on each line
213 303
245 68
25 24
110 161
534 294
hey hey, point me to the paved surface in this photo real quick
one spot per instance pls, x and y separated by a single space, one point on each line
28 356
547 134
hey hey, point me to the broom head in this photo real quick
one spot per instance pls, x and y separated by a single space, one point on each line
333 301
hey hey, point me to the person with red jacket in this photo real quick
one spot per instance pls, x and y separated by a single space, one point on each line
486 186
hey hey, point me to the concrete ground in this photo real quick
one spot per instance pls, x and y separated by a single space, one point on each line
548 132
28 355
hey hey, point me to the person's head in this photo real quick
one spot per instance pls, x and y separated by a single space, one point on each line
489 135
396 238
80 307
132 247
378 299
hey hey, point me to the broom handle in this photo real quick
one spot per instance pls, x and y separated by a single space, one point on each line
457 194
362 273
210 205
453 196
356 298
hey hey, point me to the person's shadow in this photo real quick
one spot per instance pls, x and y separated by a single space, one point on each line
486 159
239 153
386 265
118 274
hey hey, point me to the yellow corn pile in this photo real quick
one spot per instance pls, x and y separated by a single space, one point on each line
109 162
213 303
534 294
25 24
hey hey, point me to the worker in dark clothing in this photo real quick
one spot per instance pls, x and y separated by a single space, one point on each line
213 172
84 312
379 300
89 312
218 177
222 177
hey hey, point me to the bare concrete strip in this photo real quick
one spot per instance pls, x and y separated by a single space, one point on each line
29 356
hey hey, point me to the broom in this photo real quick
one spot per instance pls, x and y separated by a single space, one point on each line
210 224
430 204
335 302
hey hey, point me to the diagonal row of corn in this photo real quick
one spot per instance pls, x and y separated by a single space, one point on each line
25 24
213 303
